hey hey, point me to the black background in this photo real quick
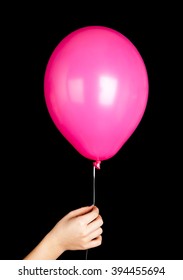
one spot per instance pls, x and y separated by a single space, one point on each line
43 177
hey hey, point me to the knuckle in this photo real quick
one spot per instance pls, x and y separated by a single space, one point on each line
82 231
81 223
70 213
96 210
101 220
99 240
84 234
83 245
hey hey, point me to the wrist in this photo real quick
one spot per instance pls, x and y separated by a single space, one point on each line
53 245
47 249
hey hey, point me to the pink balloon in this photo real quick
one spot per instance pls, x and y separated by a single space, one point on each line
96 90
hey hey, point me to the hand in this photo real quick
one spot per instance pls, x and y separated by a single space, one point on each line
79 230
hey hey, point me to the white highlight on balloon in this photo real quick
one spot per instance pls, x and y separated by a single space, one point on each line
108 87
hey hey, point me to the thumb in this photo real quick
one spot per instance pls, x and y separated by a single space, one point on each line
80 211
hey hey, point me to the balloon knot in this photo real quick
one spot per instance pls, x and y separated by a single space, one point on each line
97 164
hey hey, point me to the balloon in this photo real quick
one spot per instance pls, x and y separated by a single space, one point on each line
96 90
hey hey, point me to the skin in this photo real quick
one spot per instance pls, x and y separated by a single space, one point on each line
80 229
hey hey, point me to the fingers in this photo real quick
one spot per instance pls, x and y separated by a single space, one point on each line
95 242
92 215
89 213
80 211
97 223
95 234
85 223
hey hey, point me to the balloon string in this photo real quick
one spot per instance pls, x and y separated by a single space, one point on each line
93 184
94 166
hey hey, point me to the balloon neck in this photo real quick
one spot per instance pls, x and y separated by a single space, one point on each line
97 164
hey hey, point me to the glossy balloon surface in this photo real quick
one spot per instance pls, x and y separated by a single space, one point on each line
96 90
